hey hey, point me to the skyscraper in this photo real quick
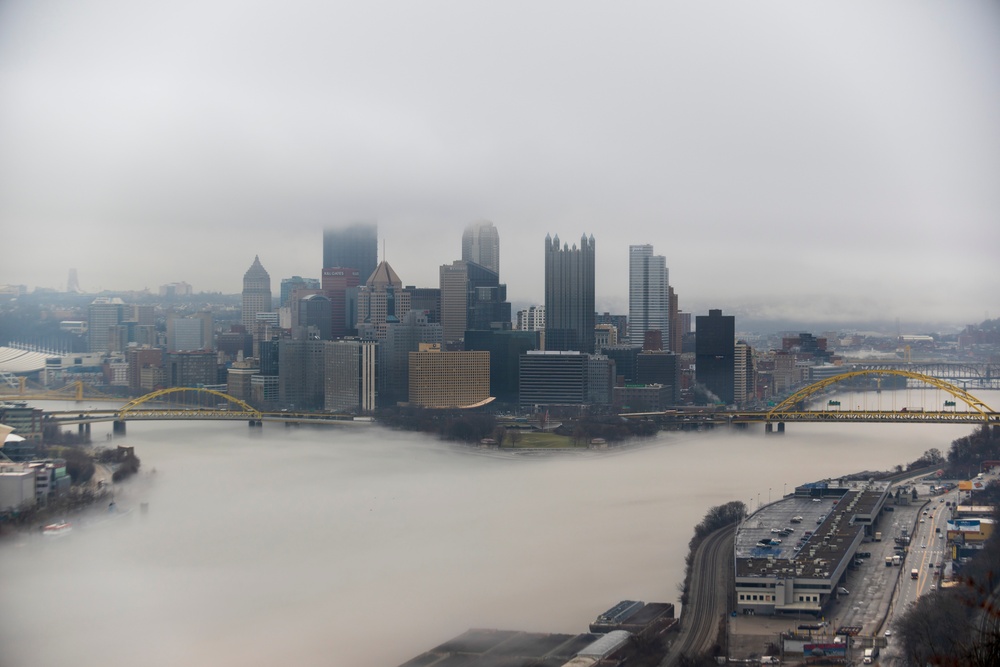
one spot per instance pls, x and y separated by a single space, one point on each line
481 245
315 317
102 314
648 294
381 301
353 246
569 295
472 298
256 294
715 355
340 285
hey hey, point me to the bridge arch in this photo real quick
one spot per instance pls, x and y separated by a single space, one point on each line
132 405
806 392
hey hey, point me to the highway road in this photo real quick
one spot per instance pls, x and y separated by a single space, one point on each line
708 599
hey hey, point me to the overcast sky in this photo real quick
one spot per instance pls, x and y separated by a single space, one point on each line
842 159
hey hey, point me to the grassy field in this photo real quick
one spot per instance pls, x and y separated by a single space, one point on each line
538 440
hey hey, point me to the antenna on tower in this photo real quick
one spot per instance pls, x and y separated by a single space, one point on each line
383 250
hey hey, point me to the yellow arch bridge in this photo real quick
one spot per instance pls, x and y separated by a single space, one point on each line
794 408
158 406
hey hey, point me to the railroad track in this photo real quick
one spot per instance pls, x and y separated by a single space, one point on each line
708 599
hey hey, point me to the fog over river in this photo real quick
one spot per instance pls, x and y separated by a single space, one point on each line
362 546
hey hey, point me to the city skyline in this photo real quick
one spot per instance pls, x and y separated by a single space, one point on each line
820 164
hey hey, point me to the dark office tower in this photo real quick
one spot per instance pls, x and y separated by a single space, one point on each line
505 348
354 246
569 295
426 300
315 317
626 360
340 285
715 354
481 245
661 368
648 294
256 294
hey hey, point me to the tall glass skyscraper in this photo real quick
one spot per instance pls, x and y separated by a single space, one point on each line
648 294
352 246
569 295
481 245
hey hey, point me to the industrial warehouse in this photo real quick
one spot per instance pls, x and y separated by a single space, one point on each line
791 555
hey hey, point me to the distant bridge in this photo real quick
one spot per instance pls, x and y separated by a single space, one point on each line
983 375
793 409
223 408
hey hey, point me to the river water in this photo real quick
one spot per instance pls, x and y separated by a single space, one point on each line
363 546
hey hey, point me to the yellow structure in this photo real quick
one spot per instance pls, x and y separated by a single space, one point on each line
786 408
449 379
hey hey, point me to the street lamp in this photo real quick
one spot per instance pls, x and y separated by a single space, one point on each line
768 495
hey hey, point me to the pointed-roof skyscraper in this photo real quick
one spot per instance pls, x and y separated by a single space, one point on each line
256 293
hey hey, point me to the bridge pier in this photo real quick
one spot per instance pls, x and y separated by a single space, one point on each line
118 427
255 423
769 428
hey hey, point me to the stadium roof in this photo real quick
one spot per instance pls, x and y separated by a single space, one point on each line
17 361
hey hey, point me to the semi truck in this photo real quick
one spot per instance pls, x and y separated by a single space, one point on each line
870 655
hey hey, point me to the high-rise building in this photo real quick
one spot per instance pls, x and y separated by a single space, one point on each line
745 382
661 368
454 300
289 285
553 378
352 246
256 294
505 348
449 379
402 338
381 301
191 333
676 328
715 355
481 245
315 317
190 369
301 374
427 300
472 298
102 314
350 382
531 318
139 358
569 295
340 285
648 294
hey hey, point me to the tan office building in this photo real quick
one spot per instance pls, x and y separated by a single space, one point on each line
449 379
